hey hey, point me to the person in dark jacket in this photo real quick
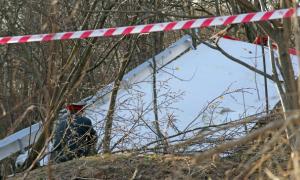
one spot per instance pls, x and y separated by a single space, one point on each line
74 136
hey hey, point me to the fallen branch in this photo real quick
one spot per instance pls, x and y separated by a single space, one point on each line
244 140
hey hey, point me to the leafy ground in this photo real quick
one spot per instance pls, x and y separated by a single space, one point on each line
132 167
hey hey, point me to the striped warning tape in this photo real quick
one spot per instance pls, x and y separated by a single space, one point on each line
167 26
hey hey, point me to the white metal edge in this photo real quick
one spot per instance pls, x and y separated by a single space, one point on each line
27 136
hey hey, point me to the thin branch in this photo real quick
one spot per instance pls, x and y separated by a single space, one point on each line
217 47
223 147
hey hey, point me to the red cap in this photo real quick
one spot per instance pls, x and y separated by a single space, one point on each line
73 108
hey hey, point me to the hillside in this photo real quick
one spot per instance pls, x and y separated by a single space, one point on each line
247 161
133 167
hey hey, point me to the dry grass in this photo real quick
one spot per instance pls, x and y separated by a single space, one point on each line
267 156
246 163
128 166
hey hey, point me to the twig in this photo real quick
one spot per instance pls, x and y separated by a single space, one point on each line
240 141
217 47
134 174
199 137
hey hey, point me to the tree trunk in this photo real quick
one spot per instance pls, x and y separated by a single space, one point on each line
111 110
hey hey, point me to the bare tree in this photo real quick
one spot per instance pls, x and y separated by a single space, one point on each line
110 114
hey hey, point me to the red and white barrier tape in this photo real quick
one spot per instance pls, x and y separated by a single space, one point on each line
168 26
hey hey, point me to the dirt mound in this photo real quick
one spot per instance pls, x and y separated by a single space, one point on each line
131 167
